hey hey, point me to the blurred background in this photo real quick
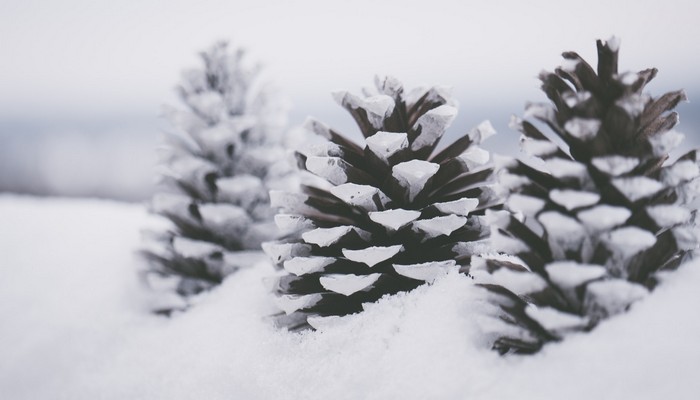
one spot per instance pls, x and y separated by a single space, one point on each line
82 82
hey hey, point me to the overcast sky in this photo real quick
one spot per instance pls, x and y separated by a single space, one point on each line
125 56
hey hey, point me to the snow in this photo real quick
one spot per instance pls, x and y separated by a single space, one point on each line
461 206
667 215
372 256
613 296
333 169
583 128
603 217
529 205
438 226
347 284
360 195
628 241
75 326
432 126
386 144
663 143
325 237
474 156
394 219
615 165
570 274
537 148
571 199
414 175
306 265
562 168
637 187
428 271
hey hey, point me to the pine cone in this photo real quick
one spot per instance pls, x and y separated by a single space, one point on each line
396 214
218 170
591 226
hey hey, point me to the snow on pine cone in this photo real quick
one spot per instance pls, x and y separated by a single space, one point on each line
219 165
395 213
589 228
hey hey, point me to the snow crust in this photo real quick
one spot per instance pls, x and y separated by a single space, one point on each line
75 325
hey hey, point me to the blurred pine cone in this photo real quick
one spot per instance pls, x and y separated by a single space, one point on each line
219 166
603 211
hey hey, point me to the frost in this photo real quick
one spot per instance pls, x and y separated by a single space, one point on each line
394 219
348 284
438 226
555 320
628 241
582 128
460 207
427 272
667 215
432 126
290 302
615 165
611 297
386 144
306 265
603 217
527 205
332 169
413 175
372 256
570 274
571 199
637 187
360 195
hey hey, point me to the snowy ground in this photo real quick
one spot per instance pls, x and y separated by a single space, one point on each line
74 325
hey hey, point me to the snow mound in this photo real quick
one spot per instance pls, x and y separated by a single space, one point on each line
75 325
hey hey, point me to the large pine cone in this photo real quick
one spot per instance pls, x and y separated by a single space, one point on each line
601 214
396 213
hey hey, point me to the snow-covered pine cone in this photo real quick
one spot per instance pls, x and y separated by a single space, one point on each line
593 224
219 165
396 214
